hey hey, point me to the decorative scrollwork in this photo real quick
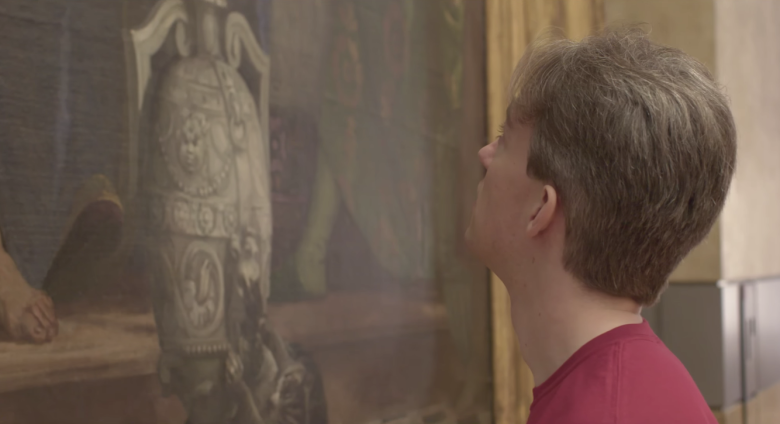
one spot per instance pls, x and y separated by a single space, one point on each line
238 33
148 39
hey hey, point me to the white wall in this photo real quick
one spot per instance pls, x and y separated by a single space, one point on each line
748 64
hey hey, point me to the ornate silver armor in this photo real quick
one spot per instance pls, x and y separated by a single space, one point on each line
205 192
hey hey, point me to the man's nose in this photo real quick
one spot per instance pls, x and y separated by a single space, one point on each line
486 154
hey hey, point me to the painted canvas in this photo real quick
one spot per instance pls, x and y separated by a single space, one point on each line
241 211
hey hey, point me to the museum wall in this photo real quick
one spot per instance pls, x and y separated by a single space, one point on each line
748 64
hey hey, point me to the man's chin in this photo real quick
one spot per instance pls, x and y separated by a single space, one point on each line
469 235
472 242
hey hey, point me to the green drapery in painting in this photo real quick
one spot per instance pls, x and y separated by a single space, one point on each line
388 110
392 134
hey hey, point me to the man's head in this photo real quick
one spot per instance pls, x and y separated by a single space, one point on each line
615 162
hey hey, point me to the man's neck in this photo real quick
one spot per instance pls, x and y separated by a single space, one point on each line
556 317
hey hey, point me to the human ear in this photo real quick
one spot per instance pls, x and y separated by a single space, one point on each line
544 213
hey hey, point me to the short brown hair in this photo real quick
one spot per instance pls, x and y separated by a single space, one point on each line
640 143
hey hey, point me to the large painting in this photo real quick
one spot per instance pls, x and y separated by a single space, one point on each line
241 211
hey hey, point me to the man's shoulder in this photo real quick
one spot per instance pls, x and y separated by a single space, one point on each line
635 380
652 382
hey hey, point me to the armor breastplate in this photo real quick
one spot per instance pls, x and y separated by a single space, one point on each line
201 193
205 190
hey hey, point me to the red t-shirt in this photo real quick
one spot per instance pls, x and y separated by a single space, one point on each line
624 376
